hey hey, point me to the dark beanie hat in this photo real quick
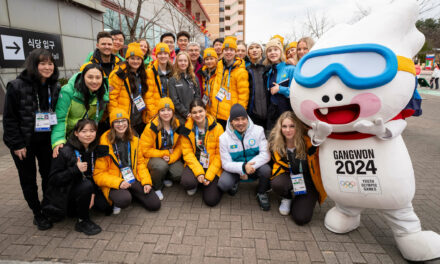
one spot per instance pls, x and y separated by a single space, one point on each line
237 110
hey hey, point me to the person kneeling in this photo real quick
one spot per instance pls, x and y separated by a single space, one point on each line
72 190
161 147
200 148
293 156
122 172
244 154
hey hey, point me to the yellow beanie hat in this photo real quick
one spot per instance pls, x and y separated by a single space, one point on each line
134 49
165 102
116 114
162 47
291 45
210 52
230 42
280 38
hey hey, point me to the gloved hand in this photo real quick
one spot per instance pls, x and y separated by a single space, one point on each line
319 132
377 128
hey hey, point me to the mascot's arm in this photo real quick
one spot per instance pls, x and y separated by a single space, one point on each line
383 131
319 132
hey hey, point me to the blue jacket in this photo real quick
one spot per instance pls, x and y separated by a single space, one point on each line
284 78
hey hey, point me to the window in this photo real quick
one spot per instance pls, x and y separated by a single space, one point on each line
228 18
228 28
227 7
240 23
222 30
222 19
240 12
222 9
198 16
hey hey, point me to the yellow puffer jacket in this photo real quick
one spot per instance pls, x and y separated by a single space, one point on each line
281 165
119 97
107 174
212 146
154 89
151 141
208 86
238 81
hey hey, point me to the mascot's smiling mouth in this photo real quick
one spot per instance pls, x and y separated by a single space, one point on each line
338 115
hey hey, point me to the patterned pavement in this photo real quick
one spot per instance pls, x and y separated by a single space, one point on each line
236 231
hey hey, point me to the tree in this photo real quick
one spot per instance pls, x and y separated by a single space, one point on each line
317 24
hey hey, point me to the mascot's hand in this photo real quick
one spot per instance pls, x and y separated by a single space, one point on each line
377 128
319 132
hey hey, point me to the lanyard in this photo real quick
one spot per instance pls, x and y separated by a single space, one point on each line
92 161
229 76
208 84
119 158
96 112
197 136
165 137
291 162
49 97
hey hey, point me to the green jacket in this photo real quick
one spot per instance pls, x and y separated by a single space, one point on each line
147 61
70 109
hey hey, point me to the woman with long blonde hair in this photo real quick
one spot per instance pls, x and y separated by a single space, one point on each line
303 47
184 87
295 175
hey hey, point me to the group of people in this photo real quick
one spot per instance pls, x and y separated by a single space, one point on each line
125 127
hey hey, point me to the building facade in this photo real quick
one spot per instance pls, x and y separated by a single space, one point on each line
76 23
227 18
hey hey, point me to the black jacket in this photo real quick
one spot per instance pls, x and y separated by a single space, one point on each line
258 102
64 174
182 93
20 107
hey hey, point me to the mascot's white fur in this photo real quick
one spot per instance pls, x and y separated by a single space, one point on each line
351 89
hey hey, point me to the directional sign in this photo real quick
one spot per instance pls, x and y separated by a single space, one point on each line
16 45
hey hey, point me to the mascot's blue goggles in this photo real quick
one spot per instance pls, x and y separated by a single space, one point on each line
360 66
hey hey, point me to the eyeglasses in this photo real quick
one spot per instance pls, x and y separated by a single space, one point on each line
360 66
120 121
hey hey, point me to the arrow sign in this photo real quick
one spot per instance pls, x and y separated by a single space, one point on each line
12 47
17 48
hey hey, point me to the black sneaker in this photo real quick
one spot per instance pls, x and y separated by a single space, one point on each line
42 222
263 200
234 189
88 227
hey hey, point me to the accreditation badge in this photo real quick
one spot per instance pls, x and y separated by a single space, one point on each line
298 183
127 174
139 102
42 121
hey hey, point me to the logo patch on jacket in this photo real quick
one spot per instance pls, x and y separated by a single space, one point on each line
252 142
234 146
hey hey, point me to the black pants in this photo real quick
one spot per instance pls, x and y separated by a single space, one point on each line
122 198
273 113
432 83
101 203
302 205
211 193
263 173
27 172
79 198
258 121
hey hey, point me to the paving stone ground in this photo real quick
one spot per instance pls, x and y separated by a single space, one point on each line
235 231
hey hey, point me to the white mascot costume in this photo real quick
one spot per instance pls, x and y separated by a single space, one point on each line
351 89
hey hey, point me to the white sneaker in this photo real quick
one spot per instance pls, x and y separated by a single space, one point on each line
116 210
285 206
159 194
168 183
192 191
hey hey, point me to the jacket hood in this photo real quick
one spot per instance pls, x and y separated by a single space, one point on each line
231 131
238 63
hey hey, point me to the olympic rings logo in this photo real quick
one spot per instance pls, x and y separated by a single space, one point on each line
348 184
